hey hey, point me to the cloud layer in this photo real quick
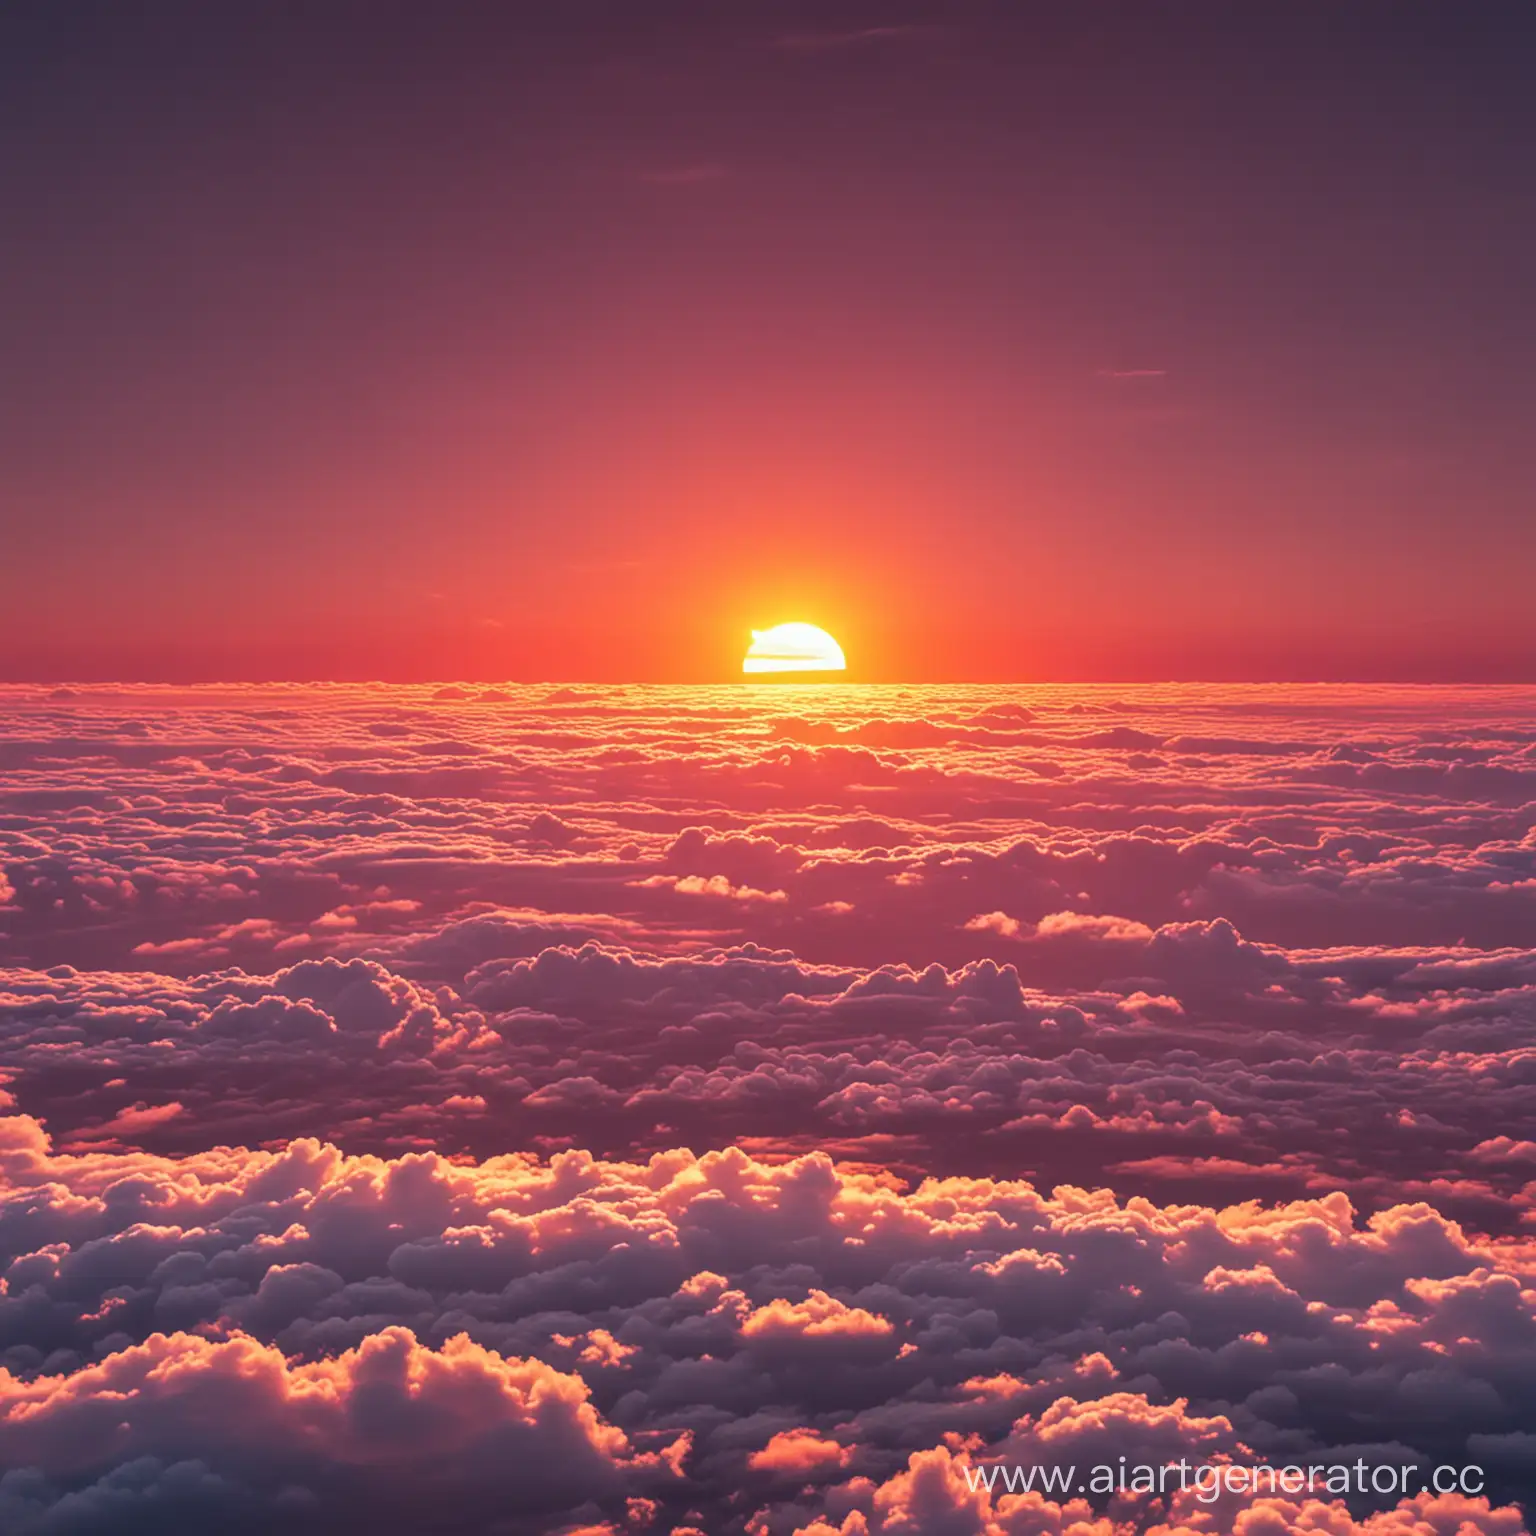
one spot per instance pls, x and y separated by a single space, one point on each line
750 1110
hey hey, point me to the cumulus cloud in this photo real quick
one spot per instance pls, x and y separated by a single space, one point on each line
633 1109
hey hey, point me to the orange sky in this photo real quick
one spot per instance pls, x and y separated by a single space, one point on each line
1002 349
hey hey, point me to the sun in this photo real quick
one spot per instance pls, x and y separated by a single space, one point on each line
793 648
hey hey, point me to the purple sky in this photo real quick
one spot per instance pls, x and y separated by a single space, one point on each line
1003 341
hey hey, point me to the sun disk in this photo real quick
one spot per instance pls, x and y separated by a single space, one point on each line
793 648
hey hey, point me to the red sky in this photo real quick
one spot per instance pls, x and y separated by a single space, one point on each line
577 342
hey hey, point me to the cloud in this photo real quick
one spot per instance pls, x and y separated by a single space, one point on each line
800 1453
832 39
627 1108
391 1423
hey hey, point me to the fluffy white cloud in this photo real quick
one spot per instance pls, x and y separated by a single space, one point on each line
621 1109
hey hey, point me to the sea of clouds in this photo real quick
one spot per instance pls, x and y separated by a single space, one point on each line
746 1110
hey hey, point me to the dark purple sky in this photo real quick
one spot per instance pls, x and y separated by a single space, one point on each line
576 340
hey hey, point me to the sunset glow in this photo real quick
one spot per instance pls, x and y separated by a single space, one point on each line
767 769
793 648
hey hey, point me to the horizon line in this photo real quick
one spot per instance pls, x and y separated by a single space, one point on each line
768 680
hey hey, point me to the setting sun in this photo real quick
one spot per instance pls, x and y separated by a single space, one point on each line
793 648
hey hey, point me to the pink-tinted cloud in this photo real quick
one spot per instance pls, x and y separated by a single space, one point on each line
754 1116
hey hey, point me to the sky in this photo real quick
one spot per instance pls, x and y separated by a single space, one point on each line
1005 342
